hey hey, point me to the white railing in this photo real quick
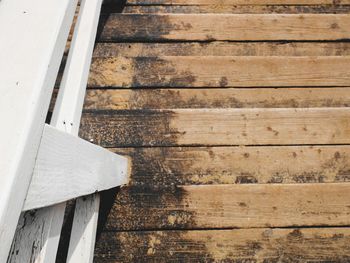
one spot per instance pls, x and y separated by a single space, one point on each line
42 166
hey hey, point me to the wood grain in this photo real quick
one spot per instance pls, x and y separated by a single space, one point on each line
217 127
171 166
241 245
141 99
220 48
236 27
231 206
237 2
228 71
237 9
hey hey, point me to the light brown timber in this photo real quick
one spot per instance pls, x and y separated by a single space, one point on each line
234 27
189 127
220 71
240 245
230 206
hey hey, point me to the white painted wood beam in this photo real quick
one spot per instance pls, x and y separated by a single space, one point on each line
66 116
84 228
34 35
68 167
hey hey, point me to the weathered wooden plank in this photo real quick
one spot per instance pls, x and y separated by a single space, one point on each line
141 99
170 166
237 27
231 206
237 9
213 71
220 48
237 2
217 127
241 245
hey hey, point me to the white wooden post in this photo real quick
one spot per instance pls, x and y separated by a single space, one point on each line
34 35
83 234
66 117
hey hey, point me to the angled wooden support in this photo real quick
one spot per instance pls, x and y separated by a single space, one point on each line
68 167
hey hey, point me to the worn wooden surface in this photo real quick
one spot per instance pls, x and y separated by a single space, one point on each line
221 48
231 206
230 71
237 9
171 166
259 142
237 2
244 245
142 99
235 27
217 127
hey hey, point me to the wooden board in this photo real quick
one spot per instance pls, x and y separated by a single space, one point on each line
241 245
230 206
228 71
220 48
236 27
170 166
217 127
237 2
236 9
142 99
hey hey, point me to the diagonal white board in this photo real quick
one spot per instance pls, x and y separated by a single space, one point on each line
34 36
68 167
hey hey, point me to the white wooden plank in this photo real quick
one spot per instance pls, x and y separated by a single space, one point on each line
35 33
66 116
37 221
83 234
82 242
68 167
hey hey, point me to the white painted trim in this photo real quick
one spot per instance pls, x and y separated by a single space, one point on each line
66 117
83 236
68 167
35 33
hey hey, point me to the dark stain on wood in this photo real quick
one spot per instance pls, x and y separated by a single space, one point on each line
127 129
238 246
138 27
151 205
233 9
156 72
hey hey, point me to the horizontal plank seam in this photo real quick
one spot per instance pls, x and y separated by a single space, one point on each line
144 40
221 145
223 229
92 87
